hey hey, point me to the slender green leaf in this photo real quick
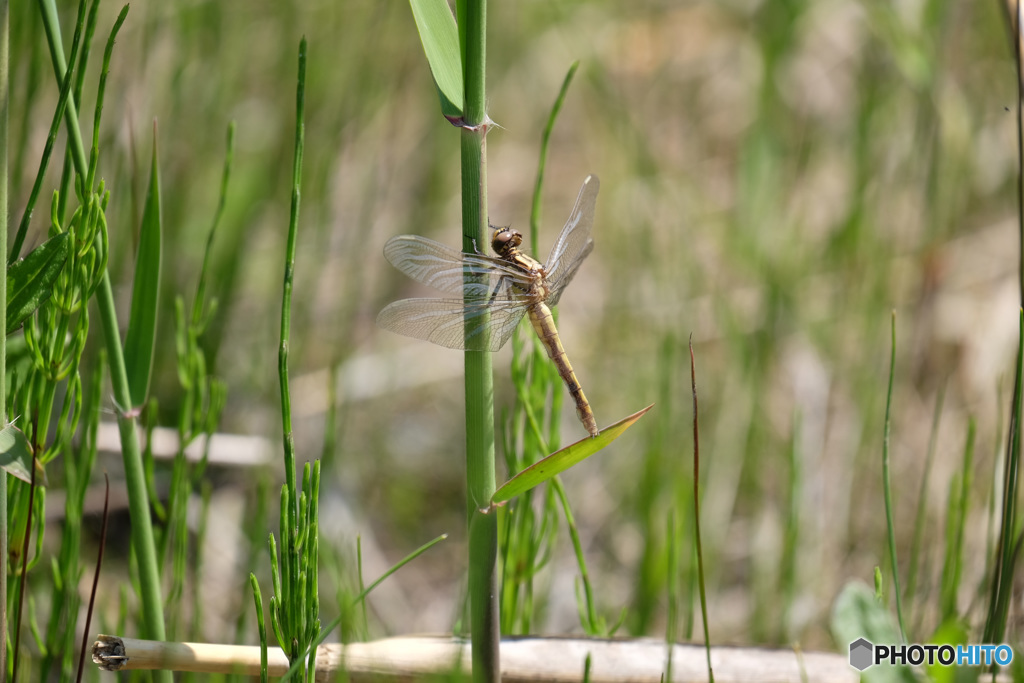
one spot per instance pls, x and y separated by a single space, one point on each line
559 461
141 337
16 456
30 280
440 38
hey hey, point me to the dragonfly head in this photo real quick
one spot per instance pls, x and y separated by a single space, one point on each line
506 240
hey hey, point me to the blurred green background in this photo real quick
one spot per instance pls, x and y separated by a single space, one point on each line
777 177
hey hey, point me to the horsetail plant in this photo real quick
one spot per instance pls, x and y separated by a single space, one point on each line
78 463
295 604
55 337
94 201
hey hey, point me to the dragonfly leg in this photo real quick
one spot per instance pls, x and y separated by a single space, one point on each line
498 286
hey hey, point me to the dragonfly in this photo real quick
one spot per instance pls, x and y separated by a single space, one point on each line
491 294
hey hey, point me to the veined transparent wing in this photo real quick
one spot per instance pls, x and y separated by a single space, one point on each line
444 321
443 268
568 275
573 243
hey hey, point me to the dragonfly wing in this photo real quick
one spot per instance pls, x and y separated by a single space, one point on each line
558 286
441 267
445 321
571 246
503 318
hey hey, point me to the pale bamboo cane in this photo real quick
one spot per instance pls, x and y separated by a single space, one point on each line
525 660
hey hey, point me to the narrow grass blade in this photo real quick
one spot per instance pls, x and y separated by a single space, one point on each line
698 546
1007 549
887 488
401 563
440 38
16 456
30 280
558 462
542 162
64 76
672 601
141 338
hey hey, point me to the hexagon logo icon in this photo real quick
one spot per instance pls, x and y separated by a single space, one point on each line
861 654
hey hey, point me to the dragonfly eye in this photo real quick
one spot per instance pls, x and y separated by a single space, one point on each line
506 239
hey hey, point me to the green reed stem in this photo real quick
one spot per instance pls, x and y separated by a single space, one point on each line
135 478
480 482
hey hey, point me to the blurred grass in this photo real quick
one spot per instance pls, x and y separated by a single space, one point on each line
776 179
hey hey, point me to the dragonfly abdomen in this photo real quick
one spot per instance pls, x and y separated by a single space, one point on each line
544 325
